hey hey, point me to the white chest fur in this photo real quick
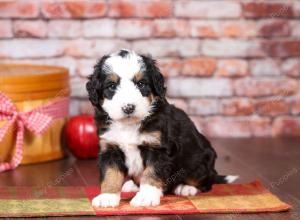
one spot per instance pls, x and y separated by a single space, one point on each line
128 138
123 134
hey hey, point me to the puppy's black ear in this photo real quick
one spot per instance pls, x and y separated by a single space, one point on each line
94 84
158 81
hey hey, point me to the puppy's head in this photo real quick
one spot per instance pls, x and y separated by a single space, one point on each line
126 86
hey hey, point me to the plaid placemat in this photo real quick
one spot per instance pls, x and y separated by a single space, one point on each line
71 201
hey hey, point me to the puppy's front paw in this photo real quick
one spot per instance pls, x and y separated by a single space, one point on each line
147 196
106 200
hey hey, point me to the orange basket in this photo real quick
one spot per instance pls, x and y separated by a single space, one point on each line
29 87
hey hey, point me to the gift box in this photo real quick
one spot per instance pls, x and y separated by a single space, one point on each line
34 102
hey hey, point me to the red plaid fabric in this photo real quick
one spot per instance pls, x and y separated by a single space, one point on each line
36 120
77 201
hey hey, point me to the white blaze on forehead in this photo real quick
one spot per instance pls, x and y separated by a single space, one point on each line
125 67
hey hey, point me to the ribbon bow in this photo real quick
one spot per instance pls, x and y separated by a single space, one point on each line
36 121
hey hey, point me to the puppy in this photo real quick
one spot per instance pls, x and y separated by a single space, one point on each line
143 138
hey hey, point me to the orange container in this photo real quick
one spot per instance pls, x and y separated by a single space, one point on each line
31 86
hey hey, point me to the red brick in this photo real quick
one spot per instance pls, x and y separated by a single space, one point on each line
281 48
73 9
122 8
179 103
29 48
207 9
232 68
85 107
274 28
30 29
168 47
237 127
79 48
295 107
224 48
146 8
6 29
286 127
85 67
295 28
170 28
267 9
66 62
169 67
203 106
133 28
239 29
230 28
159 9
78 89
265 87
57 28
74 107
236 107
261 127
208 29
99 28
94 48
265 67
18 9
199 87
291 67
271 107
199 67
106 46
199 123
296 7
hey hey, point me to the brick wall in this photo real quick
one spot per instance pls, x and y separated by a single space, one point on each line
233 65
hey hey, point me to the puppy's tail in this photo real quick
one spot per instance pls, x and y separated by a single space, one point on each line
225 179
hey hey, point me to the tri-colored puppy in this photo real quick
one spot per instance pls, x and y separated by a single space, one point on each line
143 138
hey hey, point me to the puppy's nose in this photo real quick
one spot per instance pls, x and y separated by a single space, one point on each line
128 109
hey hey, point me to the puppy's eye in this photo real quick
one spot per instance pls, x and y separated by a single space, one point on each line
141 84
112 87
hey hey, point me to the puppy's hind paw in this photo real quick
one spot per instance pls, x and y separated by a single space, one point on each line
185 190
129 186
106 200
231 178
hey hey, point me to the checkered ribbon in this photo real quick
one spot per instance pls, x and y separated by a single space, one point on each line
36 121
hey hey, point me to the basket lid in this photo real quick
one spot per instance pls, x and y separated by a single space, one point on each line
25 78
29 74
43 86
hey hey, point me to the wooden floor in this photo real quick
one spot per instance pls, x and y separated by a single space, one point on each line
276 162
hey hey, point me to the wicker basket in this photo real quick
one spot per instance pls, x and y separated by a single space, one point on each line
31 86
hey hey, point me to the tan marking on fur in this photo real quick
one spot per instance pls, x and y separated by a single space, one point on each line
192 182
136 180
104 144
113 181
151 98
114 77
131 120
151 138
149 177
138 76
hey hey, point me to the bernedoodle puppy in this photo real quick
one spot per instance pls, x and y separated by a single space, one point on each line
144 139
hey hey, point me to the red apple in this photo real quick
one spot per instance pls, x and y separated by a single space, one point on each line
81 136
